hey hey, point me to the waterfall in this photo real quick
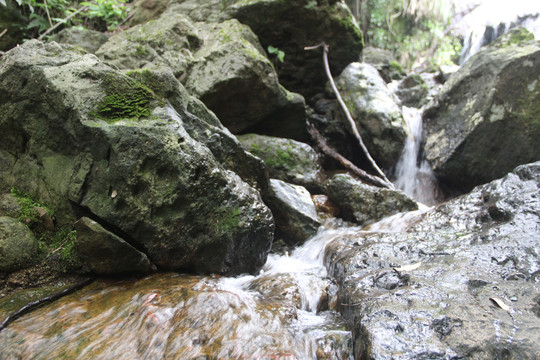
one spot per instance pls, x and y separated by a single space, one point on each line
413 173
490 19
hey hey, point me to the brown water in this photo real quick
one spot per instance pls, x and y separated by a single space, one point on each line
277 315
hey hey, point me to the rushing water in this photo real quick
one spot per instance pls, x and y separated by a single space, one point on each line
283 313
413 173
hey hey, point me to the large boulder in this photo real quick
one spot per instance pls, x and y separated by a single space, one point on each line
294 24
91 141
18 246
365 204
486 119
286 159
461 283
222 64
376 111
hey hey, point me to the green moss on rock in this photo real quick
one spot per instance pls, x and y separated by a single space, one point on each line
125 98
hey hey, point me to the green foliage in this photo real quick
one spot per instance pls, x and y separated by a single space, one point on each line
28 213
105 13
277 52
41 15
413 30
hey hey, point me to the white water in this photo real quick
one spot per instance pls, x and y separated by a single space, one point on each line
413 174
499 15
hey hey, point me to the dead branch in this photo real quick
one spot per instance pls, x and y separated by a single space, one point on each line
325 148
3 32
63 21
348 114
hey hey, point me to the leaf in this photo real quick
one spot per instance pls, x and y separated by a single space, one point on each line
500 303
272 50
409 267
281 56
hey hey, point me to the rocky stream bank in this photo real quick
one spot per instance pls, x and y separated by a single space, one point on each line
172 162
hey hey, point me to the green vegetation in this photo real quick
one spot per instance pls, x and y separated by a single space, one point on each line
125 98
38 16
277 52
28 213
56 246
413 30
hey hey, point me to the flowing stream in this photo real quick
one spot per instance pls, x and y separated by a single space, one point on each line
285 312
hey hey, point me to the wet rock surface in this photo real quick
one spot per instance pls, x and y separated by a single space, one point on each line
485 121
365 204
294 211
461 282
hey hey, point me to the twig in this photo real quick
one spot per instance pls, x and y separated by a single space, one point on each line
323 146
3 32
63 21
33 305
47 11
347 113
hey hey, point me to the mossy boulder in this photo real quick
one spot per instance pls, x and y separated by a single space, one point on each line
288 160
412 91
138 170
18 246
376 111
222 64
365 204
486 119
294 24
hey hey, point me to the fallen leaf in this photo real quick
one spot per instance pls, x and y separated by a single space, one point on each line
409 267
500 303
114 194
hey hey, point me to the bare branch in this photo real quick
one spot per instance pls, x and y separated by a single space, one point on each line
347 113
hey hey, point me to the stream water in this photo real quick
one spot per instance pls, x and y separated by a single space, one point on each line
285 312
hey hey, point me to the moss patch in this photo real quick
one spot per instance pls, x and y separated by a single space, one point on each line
125 98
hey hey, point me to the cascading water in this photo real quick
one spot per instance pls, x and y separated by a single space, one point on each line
413 173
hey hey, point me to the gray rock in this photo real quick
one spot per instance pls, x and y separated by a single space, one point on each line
18 246
9 206
87 139
288 160
222 64
375 110
385 62
89 40
412 91
294 212
485 120
460 283
105 253
364 203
